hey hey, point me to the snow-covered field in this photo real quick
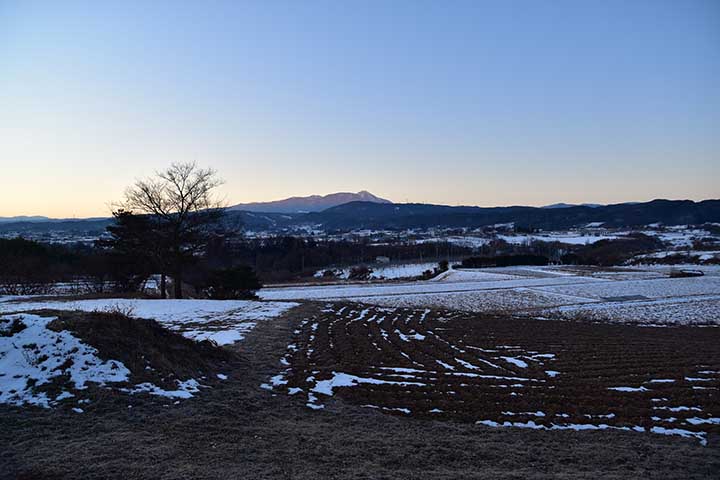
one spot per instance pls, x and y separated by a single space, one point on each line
223 321
638 294
681 311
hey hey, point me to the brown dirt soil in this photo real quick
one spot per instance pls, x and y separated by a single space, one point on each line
237 430
470 367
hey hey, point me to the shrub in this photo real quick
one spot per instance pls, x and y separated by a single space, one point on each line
427 274
504 261
9 327
361 272
232 284
442 266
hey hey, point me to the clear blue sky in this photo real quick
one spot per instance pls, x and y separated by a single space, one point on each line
459 102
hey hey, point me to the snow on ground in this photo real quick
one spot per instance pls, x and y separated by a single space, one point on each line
708 270
689 310
424 287
9 298
467 241
700 436
223 321
563 237
499 300
35 355
679 236
650 288
402 271
387 272
470 275
32 355
697 255
641 294
185 389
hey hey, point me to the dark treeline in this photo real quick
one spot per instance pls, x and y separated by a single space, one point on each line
504 261
227 264
285 258
612 252
28 267
126 261
32 268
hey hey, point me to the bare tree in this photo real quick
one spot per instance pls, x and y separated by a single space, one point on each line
182 205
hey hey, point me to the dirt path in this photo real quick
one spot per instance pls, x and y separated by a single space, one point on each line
239 430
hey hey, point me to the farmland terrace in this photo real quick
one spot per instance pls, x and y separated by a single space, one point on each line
644 295
522 372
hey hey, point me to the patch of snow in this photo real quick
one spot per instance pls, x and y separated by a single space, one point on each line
628 389
36 356
407 338
185 389
700 421
222 321
340 379
700 436
516 361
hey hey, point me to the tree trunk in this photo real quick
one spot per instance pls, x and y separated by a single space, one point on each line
177 285
163 286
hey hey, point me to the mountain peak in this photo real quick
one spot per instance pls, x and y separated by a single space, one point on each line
311 203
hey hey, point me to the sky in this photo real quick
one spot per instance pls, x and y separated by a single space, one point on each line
454 102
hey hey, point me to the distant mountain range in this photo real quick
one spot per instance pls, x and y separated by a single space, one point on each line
313 203
40 218
24 218
414 215
568 205
381 214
